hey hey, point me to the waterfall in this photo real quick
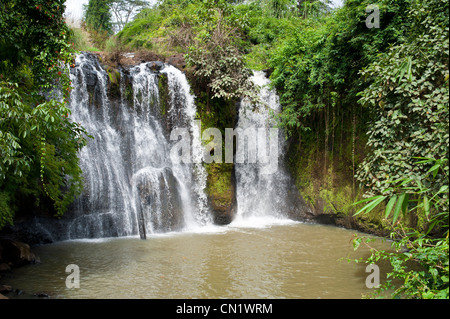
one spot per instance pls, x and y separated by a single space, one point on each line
262 194
185 116
131 186
103 194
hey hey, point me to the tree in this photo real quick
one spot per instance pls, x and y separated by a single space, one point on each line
280 8
124 10
97 16
38 141
214 49
309 8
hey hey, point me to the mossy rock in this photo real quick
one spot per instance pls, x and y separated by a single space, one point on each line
221 191
328 191
164 98
114 81
221 184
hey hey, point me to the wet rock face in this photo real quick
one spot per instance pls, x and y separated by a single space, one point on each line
296 207
90 72
155 66
161 210
223 211
129 108
14 254
221 190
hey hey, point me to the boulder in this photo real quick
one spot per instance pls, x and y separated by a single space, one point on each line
42 295
221 191
90 75
16 253
159 203
177 61
296 207
223 214
5 289
155 66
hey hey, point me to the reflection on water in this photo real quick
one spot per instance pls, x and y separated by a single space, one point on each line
292 260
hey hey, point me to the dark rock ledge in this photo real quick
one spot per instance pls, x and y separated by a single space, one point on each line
13 254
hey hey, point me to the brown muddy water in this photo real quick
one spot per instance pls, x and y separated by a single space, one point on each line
281 260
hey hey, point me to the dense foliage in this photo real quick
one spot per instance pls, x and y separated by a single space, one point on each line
410 94
409 137
97 16
215 51
39 143
98 20
420 259
210 35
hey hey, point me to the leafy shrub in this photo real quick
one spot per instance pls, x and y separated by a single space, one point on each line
39 143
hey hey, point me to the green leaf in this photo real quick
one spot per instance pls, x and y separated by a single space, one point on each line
402 71
389 206
406 181
370 206
405 204
409 69
425 160
398 207
356 243
426 205
366 200
434 169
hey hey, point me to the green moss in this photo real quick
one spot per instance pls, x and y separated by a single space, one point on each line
163 87
333 191
329 190
114 81
114 76
219 185
91 97
220 114
129 94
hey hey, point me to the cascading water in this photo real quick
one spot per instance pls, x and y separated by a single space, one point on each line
182 113
263 187
102 195
130 184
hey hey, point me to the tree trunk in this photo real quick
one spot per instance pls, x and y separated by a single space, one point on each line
299 5
325 151
353 151
333 124
341 143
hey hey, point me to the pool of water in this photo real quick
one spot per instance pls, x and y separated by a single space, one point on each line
276 260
